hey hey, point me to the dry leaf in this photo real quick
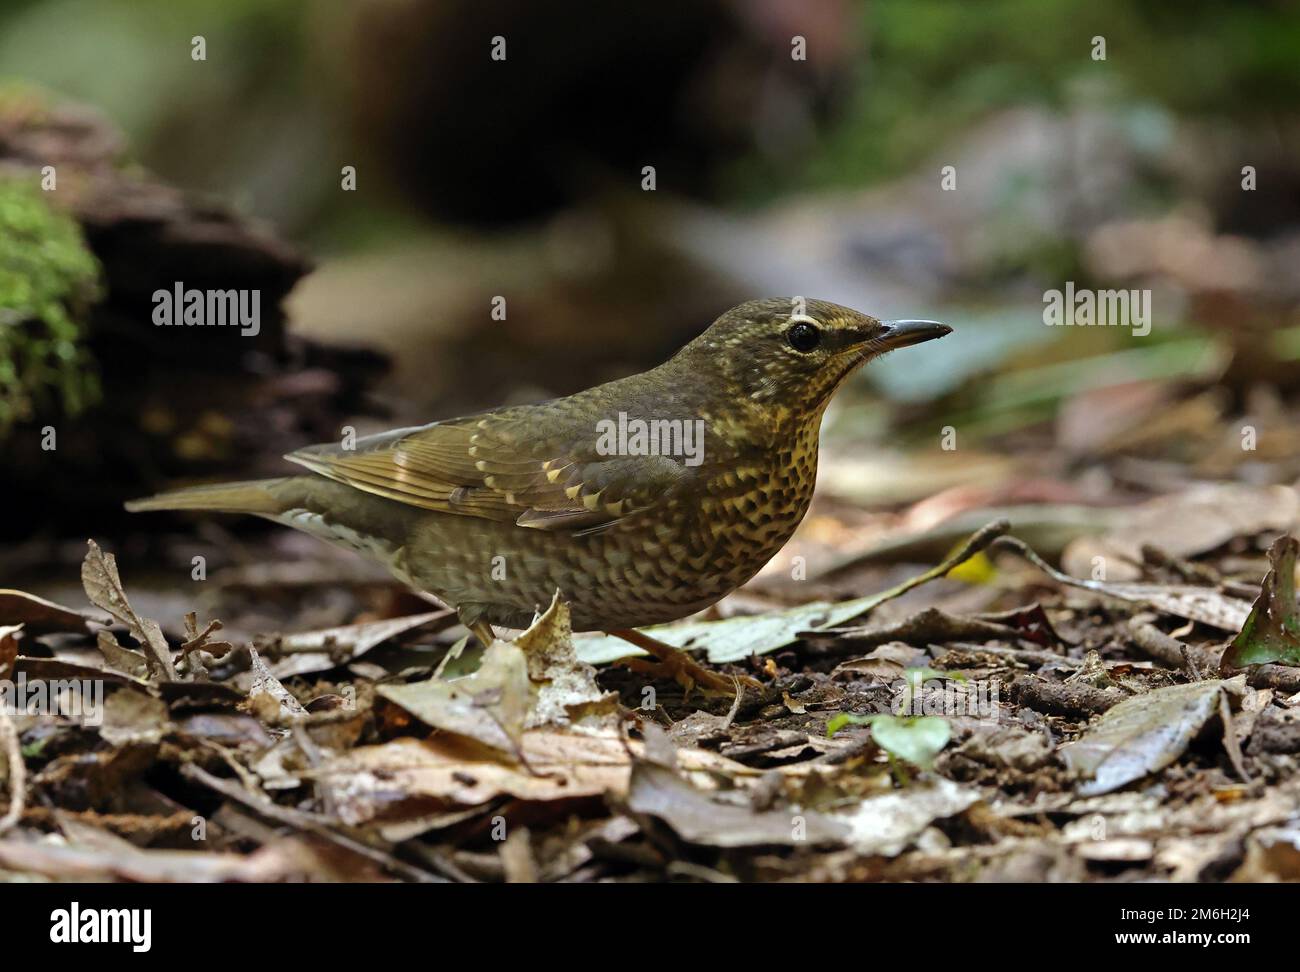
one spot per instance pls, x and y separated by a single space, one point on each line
39 615
266 686
566 687
104 589
410 777
491 705
1141 735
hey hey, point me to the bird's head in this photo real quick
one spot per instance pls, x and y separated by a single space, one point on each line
795 352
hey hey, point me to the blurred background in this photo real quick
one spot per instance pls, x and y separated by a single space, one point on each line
905 157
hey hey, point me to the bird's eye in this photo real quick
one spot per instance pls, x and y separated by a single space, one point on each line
803 336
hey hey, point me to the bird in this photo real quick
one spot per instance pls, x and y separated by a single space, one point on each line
640 501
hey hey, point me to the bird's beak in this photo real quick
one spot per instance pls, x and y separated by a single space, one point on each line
903 334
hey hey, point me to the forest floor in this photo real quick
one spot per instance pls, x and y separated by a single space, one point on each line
999 720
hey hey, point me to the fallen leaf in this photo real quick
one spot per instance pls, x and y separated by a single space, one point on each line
887 824
121 659
1271 634
1272 854
490 706
318 651
1140 735
566 686
1203 604
698 818
104 589
267 686
39 615
408 778
885 661
133 717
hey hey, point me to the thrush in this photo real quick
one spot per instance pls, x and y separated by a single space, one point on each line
641 501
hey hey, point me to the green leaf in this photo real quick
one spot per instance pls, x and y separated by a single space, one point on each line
916 740
913 739
842 719
1271 633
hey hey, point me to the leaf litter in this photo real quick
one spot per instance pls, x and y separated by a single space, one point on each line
896 735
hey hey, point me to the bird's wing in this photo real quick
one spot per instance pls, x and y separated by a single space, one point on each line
540 469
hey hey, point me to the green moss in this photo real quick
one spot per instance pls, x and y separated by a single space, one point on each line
48 281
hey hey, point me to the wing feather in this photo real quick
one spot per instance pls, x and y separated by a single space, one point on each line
498 467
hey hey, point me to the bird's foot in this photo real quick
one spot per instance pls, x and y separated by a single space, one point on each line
674 663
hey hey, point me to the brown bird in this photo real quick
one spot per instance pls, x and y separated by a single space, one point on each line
641 500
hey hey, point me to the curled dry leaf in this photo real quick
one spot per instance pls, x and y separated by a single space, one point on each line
567 692
266 686
104 589
536 680
319 651
119 658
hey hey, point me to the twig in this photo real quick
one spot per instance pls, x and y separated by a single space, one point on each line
1071 700
197 641
977 542
1230 738
929 625
307 822
1174 653
16 770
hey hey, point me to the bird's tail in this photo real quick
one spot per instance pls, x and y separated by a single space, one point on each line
267 497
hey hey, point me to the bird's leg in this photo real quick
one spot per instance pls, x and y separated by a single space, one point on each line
481 629
684 669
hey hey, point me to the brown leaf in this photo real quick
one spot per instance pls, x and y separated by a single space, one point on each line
698 818
122 659
411 777
266 688
39 615
566 686
104 589
490 706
